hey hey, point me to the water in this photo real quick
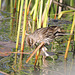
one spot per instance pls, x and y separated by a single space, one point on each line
47 67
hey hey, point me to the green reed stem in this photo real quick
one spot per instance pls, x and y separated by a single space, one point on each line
23 33
28 7
40 15
11 11
24 25
72 28
18 32
18 9
35 11
46 13
18 6
31 12
52 11
39 23
15 2
55 8
20 18
71 2
35 14
0 4
74 37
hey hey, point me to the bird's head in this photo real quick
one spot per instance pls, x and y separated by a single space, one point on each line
30 41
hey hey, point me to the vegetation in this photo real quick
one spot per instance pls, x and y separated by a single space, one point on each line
29 15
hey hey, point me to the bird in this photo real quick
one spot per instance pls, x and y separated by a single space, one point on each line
46 35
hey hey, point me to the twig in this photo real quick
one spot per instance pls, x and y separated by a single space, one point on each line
16 52
35 51
36 58
63 5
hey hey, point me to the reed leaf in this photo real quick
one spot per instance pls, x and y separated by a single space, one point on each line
63 12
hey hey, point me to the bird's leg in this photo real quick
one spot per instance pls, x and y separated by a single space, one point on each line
45 62
52 47
52 58
44 49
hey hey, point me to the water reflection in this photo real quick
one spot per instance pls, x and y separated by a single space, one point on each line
60 67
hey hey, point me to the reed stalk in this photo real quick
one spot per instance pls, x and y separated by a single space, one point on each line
40 15
74 38
52 11
0 4
24 27
48 4
18 32
11 21
17 17
35 11
39 26
28 7
72 28
35 15
20 18
35 51
18 5
15 2
36 57
71 2
55 7
31 12
60 8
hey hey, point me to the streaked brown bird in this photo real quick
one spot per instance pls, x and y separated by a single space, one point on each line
46 35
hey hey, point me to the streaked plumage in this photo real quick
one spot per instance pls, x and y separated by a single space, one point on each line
45 35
